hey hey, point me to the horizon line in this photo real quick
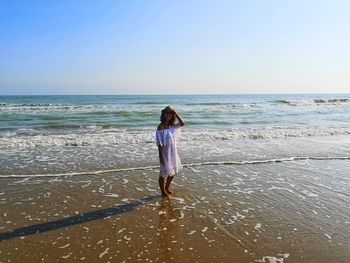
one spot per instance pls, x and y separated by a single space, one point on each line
179 94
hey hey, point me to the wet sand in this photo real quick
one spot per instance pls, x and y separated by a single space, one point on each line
296 211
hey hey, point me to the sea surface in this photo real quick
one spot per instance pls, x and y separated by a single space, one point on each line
60 135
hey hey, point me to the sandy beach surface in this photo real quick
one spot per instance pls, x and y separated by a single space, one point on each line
290 211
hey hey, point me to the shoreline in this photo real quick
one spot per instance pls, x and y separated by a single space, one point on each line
64 161
186 165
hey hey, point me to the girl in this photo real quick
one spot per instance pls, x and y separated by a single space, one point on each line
166 136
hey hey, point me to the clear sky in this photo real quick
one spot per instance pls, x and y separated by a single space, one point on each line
179 46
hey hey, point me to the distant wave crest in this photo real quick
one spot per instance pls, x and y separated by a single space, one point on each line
310 102
42 107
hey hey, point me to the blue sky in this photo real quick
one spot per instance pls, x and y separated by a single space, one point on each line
160 47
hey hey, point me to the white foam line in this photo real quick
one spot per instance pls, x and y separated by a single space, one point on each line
300 158
80 173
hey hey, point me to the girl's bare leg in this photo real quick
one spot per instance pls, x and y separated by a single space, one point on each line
161 185
167 185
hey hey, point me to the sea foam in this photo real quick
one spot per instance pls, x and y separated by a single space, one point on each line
122 137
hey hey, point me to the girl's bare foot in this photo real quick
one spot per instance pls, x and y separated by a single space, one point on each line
165 194
169 192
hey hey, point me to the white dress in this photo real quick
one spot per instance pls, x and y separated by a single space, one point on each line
171 161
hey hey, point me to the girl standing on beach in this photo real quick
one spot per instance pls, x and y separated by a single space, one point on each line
166 136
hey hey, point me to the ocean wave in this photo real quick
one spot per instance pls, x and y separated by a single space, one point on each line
134 113
62 112
268 133
311 102
149 103
234 162
96 136
52 118
42 107
223 104
208 104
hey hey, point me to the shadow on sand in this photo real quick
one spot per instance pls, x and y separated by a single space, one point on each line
74 220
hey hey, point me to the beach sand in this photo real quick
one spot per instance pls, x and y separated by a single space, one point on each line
293 211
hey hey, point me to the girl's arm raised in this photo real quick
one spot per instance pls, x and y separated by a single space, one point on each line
181 121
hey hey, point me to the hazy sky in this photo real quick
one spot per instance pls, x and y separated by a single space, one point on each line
156 47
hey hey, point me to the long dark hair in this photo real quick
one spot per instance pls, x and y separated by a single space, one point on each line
162 116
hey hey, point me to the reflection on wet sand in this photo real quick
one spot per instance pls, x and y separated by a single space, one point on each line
168 246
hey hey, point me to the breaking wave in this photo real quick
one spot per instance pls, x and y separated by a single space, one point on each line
311 102
122 137
42 107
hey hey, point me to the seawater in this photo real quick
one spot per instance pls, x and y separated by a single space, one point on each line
52 135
